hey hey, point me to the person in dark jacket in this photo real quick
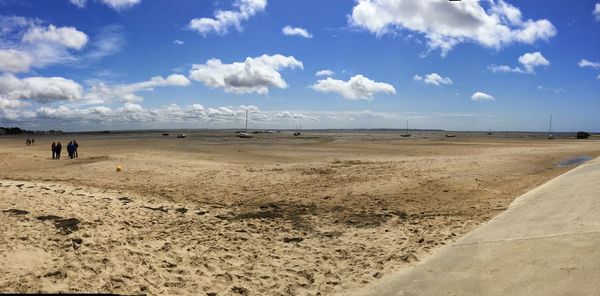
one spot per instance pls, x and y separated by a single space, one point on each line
75 145
70 149
53 150
58 150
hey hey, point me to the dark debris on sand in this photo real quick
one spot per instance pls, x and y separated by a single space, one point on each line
65 226
16 212
161 209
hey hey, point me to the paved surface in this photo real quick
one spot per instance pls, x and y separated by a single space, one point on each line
546 243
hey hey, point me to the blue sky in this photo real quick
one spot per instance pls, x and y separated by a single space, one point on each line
470 65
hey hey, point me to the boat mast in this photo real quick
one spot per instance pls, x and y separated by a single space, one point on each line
550 124
246 120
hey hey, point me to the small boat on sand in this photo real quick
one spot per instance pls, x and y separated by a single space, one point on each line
245 135
406 135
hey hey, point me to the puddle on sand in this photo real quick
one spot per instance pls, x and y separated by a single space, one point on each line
574 161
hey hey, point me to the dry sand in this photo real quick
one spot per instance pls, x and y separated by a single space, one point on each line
274 215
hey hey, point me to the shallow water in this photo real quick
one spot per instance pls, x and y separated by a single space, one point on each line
574 161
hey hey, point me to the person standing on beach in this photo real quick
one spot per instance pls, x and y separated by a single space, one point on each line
58 150
70 149
53 150
75 146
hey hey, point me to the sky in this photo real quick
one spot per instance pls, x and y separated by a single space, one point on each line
155 64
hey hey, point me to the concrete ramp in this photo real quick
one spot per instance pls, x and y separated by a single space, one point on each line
546 243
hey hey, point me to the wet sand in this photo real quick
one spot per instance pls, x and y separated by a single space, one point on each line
275 215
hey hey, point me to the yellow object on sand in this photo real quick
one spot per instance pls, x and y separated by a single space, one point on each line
119 169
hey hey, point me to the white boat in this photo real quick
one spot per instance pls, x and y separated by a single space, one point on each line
406 135
245 135
550 135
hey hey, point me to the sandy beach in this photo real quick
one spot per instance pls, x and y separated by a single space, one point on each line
322 214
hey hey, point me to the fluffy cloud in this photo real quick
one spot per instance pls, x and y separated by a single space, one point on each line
324 73
103 93
114 4
446 24
178 42
289 31
224 19
434 79
532 60
29 44
254 75
39 89
481 96
585 63
66 36
596 12
357 88
529 61
14 61
45 90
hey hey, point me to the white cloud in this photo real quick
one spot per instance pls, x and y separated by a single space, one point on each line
289 31
585 63
598 78
114 4
121 4
103 93
178 42
254 75
39 89
47 90
481 96
533 59
14 61
224 19
446 24
66 36
79 3
529 61
357 88
29 44
324 72
596 12
434 79
554 90
504 69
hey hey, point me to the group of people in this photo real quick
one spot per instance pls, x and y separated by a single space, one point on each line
71 149
29 142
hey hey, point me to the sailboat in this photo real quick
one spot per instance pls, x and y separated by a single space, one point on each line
245 133
550 136
406 135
